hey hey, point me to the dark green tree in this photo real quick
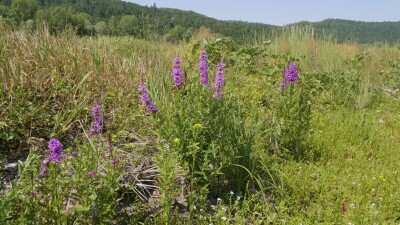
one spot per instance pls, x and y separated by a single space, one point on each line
23 10
128 25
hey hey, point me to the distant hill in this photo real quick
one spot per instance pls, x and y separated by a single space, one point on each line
362 32
116 17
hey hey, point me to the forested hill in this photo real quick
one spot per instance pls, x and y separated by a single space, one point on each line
116 17
362 32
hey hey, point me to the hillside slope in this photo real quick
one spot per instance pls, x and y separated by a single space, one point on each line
116 17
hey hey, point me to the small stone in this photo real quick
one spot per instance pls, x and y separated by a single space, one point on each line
12 167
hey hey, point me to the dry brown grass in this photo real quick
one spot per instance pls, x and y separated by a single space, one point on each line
49 83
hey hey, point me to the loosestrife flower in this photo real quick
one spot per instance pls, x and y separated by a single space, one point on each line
90 174
146 99
291 75
177 72
203 68
43 170
114 162
219 81
97 121
55 148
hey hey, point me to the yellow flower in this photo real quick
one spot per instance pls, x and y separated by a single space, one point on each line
198 125
177 140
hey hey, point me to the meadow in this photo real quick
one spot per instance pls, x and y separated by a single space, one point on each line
288 129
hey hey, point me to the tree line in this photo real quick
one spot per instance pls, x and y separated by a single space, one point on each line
116 17
358 31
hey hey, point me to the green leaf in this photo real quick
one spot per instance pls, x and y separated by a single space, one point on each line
93 197
81 208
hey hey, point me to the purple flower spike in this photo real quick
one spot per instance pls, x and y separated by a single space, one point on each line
33 192
90 174
219 81
177 72
97 121
43 170
55 149
203 68
46 160
146 99
291 76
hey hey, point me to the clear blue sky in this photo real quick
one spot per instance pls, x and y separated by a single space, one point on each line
281 12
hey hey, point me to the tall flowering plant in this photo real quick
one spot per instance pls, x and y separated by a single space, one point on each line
146 101
203 70
291 75
292 114
55 148
97 121
219 81
177 72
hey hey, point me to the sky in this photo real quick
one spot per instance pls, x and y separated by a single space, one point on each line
282 12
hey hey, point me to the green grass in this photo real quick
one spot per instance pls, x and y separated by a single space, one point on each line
180 165
356 179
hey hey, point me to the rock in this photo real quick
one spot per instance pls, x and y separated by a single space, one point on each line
391 91
12 167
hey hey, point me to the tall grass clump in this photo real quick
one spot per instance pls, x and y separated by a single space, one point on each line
207 130
50 82
291 115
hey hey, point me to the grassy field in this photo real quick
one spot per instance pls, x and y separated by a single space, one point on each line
322 150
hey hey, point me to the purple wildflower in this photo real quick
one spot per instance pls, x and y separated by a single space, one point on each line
43 170
219 81
55 149
146 99
33 192
46 160
97 121
55 154
177 72
203 68
114 162
90 174
291 75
